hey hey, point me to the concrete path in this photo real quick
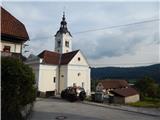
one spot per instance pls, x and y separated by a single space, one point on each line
57 109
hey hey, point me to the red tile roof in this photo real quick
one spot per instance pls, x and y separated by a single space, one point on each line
55 58
67 57
125 92
50 57
114 83
10 26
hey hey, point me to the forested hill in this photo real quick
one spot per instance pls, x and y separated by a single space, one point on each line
152 71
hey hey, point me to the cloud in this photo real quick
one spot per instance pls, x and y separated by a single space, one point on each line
42 20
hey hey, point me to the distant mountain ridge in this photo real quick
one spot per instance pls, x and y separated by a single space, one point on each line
152 71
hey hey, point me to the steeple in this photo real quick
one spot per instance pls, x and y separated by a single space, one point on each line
63 42
63 27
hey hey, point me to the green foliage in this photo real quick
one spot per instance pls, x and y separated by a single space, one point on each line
147 102
147 88
17 88
94 84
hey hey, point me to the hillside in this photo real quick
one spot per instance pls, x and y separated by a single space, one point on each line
126 73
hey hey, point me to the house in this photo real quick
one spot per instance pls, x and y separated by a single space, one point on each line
111 84
125 95
13 35
59 69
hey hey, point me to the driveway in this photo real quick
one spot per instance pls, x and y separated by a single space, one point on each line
57 109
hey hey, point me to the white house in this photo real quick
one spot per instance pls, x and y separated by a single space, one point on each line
13 35
57 70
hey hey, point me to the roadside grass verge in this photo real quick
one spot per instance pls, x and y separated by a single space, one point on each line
147 102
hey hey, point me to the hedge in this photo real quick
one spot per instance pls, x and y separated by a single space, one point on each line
17 88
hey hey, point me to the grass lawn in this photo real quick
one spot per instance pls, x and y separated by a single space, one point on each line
147 102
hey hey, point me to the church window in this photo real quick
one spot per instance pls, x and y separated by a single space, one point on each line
59 43
66 43
54 79
79 58
79 74
82 84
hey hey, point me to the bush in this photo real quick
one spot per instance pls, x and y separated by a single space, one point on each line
17 88
147 87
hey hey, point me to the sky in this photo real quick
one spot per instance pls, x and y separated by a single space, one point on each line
108 33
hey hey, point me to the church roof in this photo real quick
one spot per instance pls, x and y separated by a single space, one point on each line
56 58
11 27
63 28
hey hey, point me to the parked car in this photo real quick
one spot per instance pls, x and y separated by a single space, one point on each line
73 94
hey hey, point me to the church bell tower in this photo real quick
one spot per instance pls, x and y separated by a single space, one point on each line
63 38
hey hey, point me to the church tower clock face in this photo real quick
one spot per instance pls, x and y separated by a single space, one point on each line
63 38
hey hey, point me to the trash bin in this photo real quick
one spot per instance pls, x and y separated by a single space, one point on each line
93 97
99 97
111 99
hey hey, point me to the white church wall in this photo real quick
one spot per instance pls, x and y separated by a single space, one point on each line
63 77
46 77
79 75
79 59
33 62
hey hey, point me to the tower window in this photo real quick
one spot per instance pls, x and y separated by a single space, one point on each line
59 43
54 79
79 58
66 43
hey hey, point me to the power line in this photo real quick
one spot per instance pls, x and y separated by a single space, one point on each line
104 28
117 26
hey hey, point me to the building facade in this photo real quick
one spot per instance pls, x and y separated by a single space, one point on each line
13 35
62 68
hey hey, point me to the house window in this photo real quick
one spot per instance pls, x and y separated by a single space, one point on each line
7 48
66 43
54 79
79 58
59 43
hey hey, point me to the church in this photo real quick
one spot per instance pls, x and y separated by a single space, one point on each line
61 68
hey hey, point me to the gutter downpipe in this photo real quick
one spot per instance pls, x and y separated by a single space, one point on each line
59 73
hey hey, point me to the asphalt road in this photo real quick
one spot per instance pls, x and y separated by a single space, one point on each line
57 109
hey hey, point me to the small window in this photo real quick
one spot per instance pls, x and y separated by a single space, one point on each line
66 50
74 84
54 79
79 74
82 84
59 43
6 48
62 75
79 58
66 43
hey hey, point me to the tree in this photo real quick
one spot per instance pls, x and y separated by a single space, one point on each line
17 88
147 87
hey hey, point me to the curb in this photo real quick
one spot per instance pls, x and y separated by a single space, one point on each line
123 109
